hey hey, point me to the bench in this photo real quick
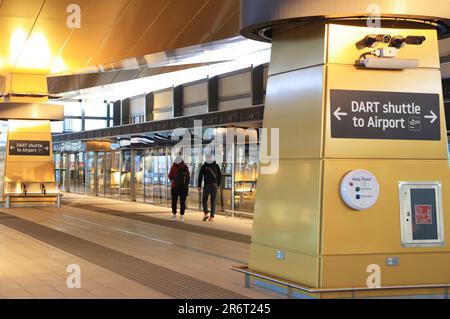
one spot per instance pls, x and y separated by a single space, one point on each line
32 192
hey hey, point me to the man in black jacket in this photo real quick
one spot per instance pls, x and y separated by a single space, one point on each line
210 172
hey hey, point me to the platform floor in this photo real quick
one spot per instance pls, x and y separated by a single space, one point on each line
124 250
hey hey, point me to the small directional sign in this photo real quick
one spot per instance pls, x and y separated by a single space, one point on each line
29 148
385 115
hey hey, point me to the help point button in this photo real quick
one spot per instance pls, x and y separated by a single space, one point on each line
360 189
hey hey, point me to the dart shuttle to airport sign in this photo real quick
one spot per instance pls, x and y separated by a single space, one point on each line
385 115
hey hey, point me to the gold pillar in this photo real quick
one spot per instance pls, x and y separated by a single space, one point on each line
27 153
303 230
29 168
24 87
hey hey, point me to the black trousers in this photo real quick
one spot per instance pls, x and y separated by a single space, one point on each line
210 190
179 193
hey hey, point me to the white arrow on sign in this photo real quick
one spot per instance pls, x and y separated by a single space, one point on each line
338 114
433 117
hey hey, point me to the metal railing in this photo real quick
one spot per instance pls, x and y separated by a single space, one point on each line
292 286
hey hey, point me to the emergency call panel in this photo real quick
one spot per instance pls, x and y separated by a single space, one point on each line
421 214
360 189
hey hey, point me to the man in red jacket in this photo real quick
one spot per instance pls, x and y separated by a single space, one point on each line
180 178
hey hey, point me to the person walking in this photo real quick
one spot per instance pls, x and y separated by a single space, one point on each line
179 177
211 174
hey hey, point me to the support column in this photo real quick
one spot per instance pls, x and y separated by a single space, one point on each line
125 112
178 101
213 94
149 107
117 113
301 212
258 85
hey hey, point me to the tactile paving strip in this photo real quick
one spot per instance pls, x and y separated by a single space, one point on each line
167 281
241 238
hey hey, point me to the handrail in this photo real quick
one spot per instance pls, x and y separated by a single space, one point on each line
246 271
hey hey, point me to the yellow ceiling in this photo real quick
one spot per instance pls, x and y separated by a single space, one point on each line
36 39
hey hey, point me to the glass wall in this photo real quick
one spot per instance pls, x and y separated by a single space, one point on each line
90 173
139 180
80 185
125 176
194 199
226 195
83 115
72 172
93 124
63 173
245 179
57 158
101 174
160 177
148 177
142 175
112 174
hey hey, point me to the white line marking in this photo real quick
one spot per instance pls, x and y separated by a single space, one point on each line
119 230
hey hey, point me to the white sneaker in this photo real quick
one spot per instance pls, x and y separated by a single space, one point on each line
174 218
182 219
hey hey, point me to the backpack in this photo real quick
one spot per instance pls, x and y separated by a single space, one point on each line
181 178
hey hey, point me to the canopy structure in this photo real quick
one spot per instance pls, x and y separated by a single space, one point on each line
260 17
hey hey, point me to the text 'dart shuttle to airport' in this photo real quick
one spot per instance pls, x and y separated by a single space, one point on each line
26 148
364 180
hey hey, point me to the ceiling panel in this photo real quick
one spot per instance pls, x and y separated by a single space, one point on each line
111 30
104 12
56 9
134 21
9 48
229 29
21 8
98 18
209 21
167 27
83 44
43 45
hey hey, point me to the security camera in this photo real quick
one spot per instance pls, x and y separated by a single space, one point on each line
384 38
398 42
372 39
369 41
415 40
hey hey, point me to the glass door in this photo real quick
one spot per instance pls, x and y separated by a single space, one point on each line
72 172
80 185
64 173
246 175
112 174
125 176
148 177
159 169
90 173
139 171
194 198
101 174
226 189
57 157
168 162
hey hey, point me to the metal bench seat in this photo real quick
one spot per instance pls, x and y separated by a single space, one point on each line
32 190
